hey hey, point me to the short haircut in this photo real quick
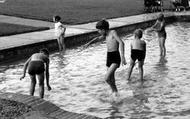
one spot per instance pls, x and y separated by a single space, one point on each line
57 18
102 25
138 33
45 51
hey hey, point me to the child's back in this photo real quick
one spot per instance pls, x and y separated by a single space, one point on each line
138 52
138 44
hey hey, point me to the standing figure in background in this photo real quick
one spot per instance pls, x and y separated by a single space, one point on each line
36 67
59 32
159 27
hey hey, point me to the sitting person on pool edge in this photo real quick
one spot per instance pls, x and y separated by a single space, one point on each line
36 67
115 51
138 52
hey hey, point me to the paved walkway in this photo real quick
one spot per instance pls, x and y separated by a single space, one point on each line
7 42
42 109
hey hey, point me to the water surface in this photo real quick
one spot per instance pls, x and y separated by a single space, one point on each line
77 80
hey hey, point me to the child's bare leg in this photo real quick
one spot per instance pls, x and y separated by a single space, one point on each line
33 84
41 85
140 66
113 82
59 43
162 40
62 43
160 46
132 64
110 79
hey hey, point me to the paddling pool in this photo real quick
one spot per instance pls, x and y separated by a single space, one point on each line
77 80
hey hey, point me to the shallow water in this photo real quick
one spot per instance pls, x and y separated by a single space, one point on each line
77 80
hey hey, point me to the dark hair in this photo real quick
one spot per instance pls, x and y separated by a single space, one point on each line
161 17
57 18
103 24
45 51
138 33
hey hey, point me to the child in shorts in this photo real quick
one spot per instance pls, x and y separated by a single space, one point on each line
36 68
159 28
138 52
115 52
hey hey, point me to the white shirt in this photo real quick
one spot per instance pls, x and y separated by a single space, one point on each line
59 29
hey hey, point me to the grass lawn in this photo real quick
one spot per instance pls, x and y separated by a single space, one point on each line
12 29
73 11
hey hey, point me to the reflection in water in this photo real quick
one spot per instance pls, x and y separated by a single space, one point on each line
77 80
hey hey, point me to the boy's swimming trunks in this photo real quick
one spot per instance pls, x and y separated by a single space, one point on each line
113 57
36 67
137 54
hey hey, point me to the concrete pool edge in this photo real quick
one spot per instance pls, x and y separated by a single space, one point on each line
23 45
42 109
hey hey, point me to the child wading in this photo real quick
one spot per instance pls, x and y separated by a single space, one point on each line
59 32
36 67
159 27
138 52
115 52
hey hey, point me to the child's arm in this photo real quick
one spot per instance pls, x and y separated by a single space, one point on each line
121 47
162 24
156 28
152 28
25 67
47 75
93 40
144 50
63 28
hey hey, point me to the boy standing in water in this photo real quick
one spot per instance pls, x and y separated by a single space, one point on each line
59 32
138 52
115 52
36 67
159 27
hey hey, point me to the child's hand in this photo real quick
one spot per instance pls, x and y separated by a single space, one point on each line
123 61
48 88
22 77
85 46
148 30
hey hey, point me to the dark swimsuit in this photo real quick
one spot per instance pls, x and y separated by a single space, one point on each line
162 33
137 54
36 67
113 57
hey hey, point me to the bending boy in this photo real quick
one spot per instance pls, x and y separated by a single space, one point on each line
36 67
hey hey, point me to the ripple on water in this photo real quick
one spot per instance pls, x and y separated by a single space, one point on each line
77 80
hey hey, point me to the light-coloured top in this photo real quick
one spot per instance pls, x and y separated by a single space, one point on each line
59 29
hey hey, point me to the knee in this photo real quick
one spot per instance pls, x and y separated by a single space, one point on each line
140 66
41 83
107 77
33 82
132 65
